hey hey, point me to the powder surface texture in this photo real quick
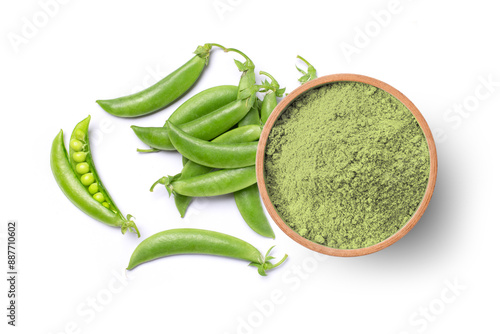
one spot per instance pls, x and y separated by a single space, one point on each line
346 165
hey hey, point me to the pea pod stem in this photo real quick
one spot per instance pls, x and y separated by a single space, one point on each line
309 65
309 75
267 265
246 87
273 86
273 91
247 59
197 241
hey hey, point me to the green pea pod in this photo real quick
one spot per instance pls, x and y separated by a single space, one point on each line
268 105
196 241
203 103
215 155
197 106
239 135
273 91
248 203
252 117
163 92
206 127
220 182
78 179
242 134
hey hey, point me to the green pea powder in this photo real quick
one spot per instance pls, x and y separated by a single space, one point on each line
346 165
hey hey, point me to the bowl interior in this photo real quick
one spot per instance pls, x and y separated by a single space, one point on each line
261 156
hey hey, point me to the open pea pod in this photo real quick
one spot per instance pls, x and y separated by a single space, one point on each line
77 177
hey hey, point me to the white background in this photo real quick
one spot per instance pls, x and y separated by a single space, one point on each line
436 53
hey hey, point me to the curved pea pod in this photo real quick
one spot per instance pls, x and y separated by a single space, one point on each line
220 182
241 134
196 241
215 155
268 104
190 169
78 179
206 127
203 103
163 92
248 203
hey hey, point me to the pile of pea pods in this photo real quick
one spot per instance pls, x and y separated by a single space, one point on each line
216 131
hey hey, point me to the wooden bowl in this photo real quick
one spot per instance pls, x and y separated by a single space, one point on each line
261 156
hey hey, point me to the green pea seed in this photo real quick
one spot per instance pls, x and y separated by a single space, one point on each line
79 134
99 197
82 168
105 204
93 188
87 179
79 156
76 144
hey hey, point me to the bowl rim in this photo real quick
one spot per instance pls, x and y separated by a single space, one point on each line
284 103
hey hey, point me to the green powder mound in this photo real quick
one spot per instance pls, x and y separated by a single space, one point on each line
346 165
